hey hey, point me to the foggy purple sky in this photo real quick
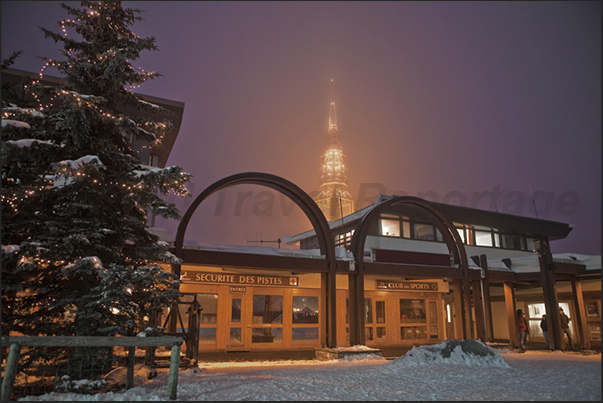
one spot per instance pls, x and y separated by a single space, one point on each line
455 98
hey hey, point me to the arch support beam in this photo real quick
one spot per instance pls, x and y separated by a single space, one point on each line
303 201
356 281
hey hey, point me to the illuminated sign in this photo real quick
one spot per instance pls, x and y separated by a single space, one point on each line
201 277
406 285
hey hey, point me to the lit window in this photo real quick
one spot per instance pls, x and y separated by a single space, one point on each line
390 227
483 238
461 232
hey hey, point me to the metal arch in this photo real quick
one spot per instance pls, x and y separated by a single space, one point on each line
308 206
289 189
451 237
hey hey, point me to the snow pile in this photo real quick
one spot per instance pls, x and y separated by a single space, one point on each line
455 352
357 347
79 386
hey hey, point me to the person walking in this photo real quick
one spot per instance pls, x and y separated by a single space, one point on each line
545 331
564 320
522 327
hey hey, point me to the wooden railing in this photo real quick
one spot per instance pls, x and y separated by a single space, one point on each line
15 343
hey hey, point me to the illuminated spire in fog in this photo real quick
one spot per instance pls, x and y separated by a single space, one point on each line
334 198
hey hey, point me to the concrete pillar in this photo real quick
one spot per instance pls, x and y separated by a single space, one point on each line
580 321
510 310
487 302
547 275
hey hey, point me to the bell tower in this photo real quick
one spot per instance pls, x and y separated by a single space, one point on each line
334 199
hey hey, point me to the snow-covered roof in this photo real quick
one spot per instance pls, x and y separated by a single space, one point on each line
167 235
356 216
531 264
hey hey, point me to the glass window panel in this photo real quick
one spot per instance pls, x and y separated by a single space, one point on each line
483 238
368 333
305 334
421 332
267 309
413 332
595 331
236 310
433 332
235 335
530 243
405 229
469 240
509 241
535 311
305 309
368 310
209 303
412 311
390 227
380 311
380 333
266 335
461 232
534 328
207 336
424 231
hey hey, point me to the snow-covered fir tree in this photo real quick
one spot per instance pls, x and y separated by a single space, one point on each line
77 257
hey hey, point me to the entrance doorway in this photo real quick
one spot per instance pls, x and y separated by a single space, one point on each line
255 320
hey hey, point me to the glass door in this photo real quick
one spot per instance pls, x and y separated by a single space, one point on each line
236 328
375 320
267 319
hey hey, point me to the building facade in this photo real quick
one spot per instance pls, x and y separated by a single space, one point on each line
401 272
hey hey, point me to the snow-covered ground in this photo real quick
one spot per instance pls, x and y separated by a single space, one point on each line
440 372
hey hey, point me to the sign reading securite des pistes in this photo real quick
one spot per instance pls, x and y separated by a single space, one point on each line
201 277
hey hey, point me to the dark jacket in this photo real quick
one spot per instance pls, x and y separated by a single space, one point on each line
543 325
564 321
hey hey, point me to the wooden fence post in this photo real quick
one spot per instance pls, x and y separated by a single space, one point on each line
173 375
12 364
130 366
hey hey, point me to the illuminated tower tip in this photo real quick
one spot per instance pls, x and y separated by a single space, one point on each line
334 198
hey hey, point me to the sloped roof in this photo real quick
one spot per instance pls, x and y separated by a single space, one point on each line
466 215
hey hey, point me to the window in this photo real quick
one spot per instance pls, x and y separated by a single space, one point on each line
465 232
153 160
412 311
305 319
305 310
344 239
424 232
267 309
509 241
483 238
405 227
208 318
390 226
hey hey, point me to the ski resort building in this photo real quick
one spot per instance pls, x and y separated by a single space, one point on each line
401 272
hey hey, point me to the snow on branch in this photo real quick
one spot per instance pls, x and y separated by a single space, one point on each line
27 142
8 249
65 167
15 109
78 163
15 123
